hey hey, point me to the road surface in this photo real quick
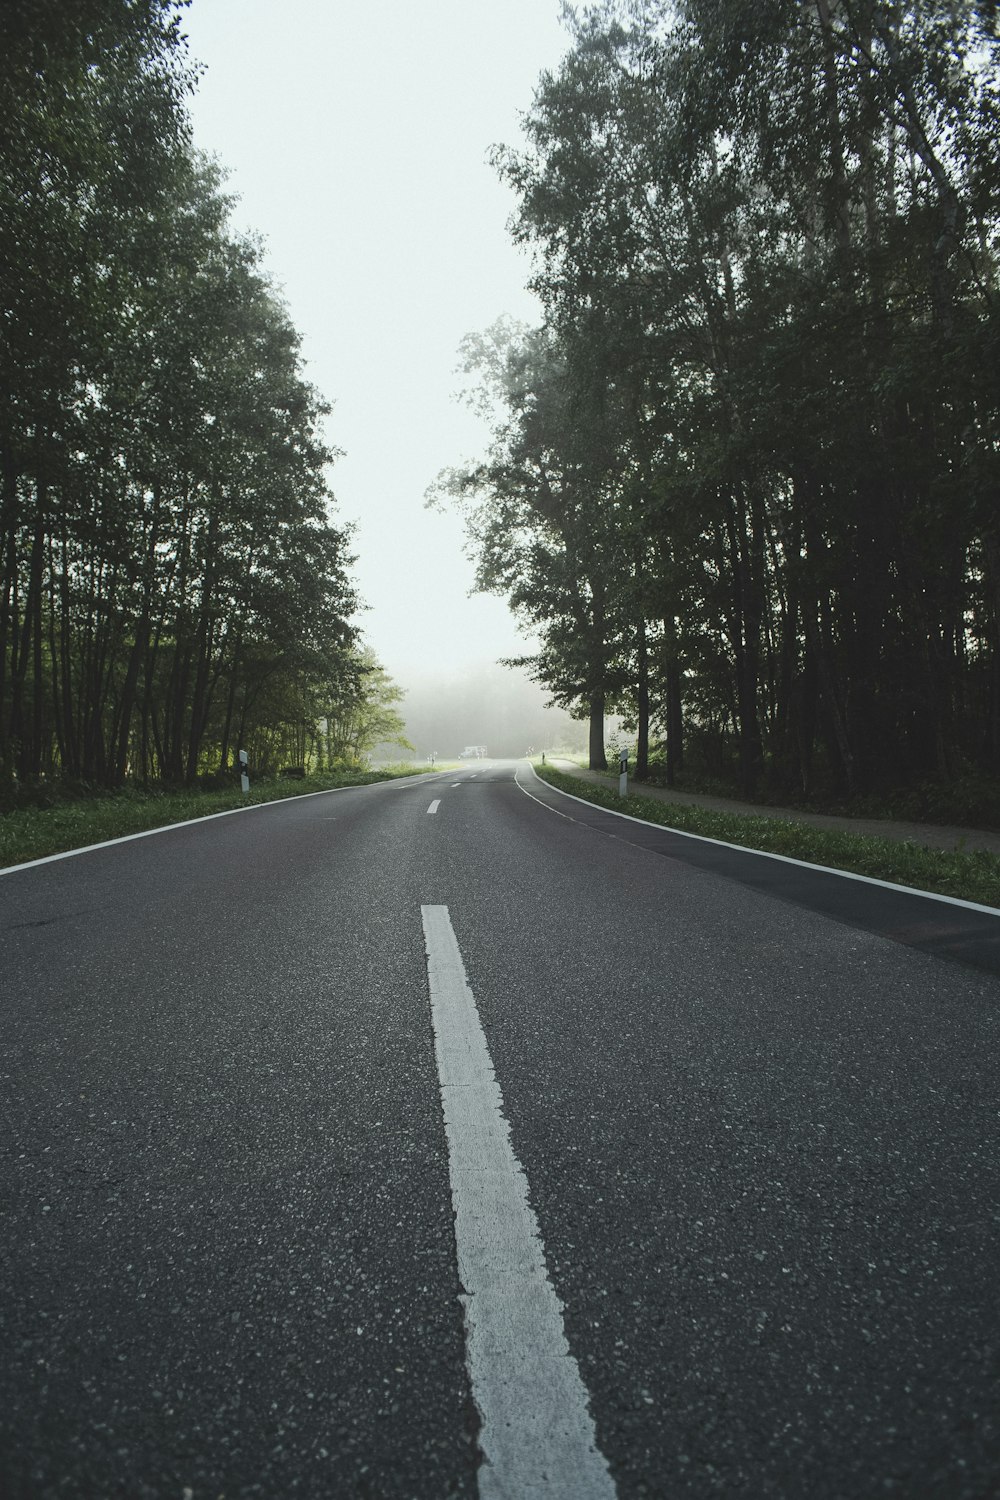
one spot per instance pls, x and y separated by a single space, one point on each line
449 1138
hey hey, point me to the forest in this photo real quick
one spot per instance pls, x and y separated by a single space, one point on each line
743 479
172 585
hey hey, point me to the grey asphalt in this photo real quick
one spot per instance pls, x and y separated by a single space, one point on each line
761 1143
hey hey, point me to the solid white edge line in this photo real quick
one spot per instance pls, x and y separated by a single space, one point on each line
537 1435
147 833
786 859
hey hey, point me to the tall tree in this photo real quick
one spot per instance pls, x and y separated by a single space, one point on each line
787 214
539 514
166 542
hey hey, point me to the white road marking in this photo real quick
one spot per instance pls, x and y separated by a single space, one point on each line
537 1436
434 805
398 782
456 783
785 859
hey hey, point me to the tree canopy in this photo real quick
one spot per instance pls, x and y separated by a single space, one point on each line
172 584
744 479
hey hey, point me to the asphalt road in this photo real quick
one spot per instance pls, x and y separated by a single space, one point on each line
759 1138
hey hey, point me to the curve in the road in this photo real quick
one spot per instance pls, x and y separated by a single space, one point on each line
941 925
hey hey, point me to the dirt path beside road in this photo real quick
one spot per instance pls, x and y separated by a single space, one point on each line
931 835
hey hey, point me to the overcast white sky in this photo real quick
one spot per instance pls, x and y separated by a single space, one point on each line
356 135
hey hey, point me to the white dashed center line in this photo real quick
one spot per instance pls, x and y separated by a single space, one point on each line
434 805
537 1436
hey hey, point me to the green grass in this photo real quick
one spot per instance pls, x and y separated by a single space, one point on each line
971 875
969 800
32 832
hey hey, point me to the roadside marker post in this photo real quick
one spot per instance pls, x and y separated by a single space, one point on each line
244 778
623 774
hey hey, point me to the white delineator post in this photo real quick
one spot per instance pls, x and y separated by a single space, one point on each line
244 778
623 774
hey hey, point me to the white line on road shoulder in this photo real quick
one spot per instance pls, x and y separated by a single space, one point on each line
434 805
537 1436
785 859
406 782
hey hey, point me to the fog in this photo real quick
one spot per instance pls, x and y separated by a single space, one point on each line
484 704
357 138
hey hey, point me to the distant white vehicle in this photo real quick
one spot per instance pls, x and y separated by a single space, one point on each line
473 752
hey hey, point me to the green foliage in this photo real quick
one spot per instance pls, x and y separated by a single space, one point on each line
170 577
765 395
355 724
537 515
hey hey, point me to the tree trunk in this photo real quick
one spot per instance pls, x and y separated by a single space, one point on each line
642 705
8 553
597 670
675 722
27 763
227 726
140 645
598 760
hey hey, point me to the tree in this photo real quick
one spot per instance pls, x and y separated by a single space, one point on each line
357 722
93 131
768 237
541 525
167 553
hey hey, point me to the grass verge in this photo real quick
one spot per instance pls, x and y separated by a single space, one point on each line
971 875
33 832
